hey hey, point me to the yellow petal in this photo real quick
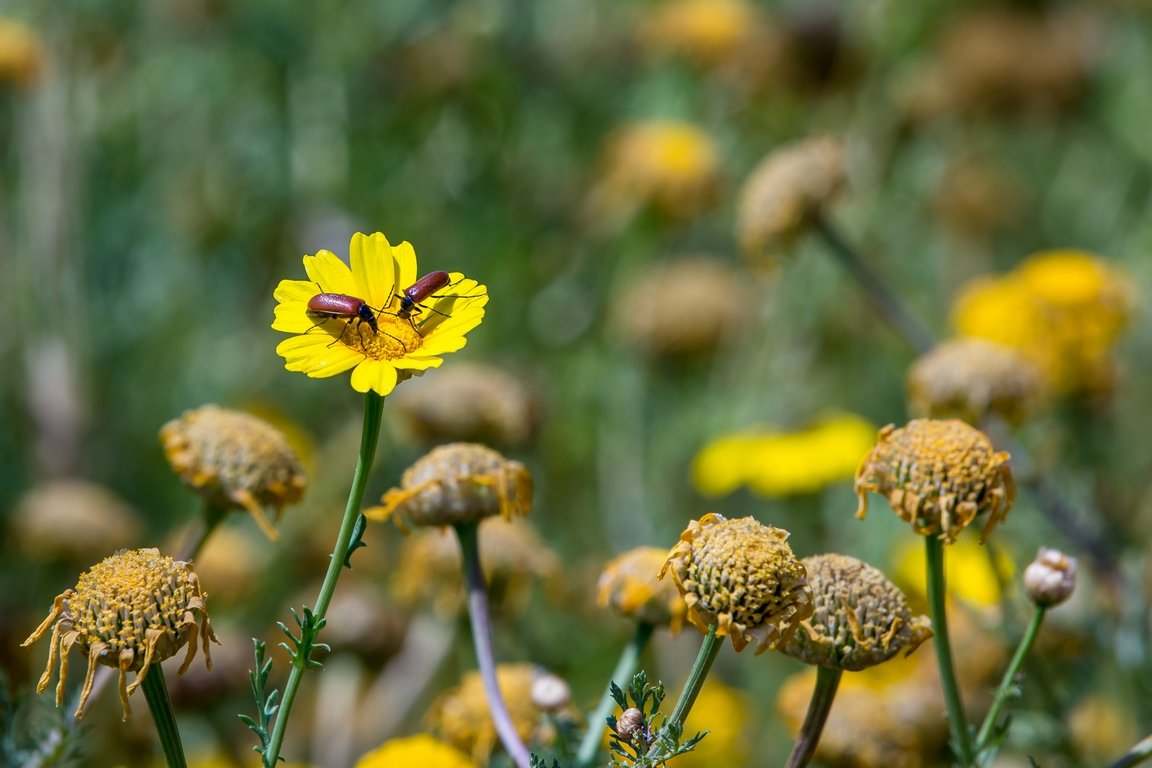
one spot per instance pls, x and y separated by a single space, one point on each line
373 268
411 363
294 318
404 257
331 274
295 290
374 375
339 359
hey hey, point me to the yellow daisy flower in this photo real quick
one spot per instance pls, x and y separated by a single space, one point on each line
390 338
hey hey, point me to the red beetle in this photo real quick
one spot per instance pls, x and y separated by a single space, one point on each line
420 290
339 305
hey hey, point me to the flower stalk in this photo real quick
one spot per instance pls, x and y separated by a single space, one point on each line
626 666
160 705
827 681
373 410
468 534
1007 689
937 591
709 649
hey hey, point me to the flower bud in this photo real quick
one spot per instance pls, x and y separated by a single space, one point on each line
1050 578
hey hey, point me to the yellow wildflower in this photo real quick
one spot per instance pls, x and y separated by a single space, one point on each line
129 611
421 750
631 585
708 32
782 463
21 54
970 574
398 341
938 475
1065 310
742 576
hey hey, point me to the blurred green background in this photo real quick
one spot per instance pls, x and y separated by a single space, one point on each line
164 164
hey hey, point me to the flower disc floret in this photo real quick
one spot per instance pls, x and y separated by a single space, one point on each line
457 483
235 461
130 611
630 584
861 618
742 576
938 475
401 344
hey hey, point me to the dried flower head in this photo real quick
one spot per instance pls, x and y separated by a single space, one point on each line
457 483
21 54
670 165
774 464
235 461
970 379
861 618
129 611
72 520
631 585
1050 579
938 475
378 331
978 197
462 718
420 750
469 403
512 553
784 192
742 576
651 310
1065 310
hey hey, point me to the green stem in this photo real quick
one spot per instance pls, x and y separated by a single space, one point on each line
709 648
625 667
468 533
827 681
1136 755
937 591
1008 683
373 409
156 693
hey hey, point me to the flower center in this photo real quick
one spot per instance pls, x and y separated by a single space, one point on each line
394 338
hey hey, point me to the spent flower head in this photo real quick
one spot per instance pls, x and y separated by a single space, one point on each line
129 611
1051 578
377 332
938 475
72 520
457 483
742 576
861 618
785 192
235 461
630 584
970 379
470 402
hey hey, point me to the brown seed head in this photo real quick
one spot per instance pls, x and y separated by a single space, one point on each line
131 610
235 461
783 194
457 483
469 403
1051 578
970 379
938 475
861 618
742 576
72 520
631 585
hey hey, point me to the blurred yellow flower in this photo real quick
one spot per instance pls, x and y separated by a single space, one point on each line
969 571
672 165
724 712
398 341
1065 310
631 585
420 750
21 54
782 463
706 31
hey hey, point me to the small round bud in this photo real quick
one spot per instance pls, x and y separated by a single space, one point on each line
1050 579
550 693
629 723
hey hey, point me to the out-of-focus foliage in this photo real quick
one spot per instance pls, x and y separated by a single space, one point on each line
163 165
